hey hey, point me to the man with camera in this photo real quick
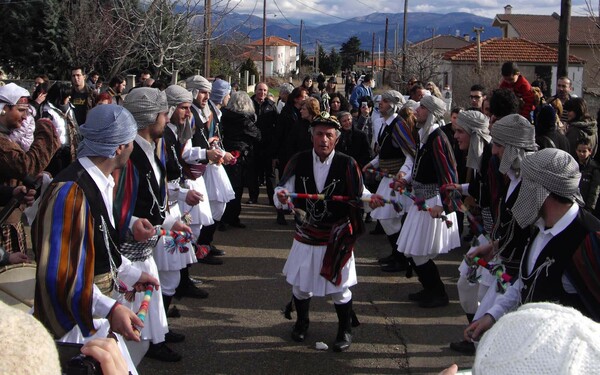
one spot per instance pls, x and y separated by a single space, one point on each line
15 162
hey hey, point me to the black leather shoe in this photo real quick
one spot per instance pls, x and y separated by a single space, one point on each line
192 291
162 352
418 296
211 260
238 225
299 332
464 347
342 342
173 337
173 313
433 301
216 252
387 260
394 267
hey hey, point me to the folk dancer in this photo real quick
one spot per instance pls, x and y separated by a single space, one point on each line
424 235
77 243
321 261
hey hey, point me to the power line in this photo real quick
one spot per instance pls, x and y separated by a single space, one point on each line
275 2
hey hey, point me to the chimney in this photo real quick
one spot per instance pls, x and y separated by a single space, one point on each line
467 37
508 9
457 34
289 38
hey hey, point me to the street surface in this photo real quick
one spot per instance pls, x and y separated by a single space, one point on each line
239 328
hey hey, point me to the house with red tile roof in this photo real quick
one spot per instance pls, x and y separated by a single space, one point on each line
282 53
460 64
584 38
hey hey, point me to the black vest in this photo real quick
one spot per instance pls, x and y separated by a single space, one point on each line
513 238
76 173
548 286
175 163
145 206
387 150
424 169
305 183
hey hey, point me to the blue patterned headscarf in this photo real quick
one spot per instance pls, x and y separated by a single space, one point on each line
107 126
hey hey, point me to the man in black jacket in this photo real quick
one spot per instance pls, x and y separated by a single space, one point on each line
266 113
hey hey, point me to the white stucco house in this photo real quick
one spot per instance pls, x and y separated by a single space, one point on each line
282 51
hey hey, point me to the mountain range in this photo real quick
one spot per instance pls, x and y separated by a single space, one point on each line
419 26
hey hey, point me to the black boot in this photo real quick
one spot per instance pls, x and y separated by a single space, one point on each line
422 294
171 337
432 282
301 326
281 217
344 334
186 287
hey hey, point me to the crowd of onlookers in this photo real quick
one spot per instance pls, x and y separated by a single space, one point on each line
253 137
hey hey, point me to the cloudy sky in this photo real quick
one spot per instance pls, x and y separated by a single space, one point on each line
322 11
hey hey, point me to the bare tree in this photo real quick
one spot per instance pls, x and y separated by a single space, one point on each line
422 62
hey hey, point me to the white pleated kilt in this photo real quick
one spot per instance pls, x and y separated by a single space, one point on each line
200 213
155 326
463 268
218 184
169 260
388 211
422 235
303 266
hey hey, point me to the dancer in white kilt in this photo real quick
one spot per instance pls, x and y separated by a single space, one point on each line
473 137
321 261
75 219
142 190
396 154
424 235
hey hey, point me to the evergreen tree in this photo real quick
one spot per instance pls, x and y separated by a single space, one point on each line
350 51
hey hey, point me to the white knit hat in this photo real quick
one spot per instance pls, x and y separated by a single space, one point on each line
28 348
11 94
540 338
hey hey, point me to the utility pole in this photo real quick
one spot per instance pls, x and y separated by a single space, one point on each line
373 55
264 54
316 55
207 33
563 39
478 31
300 54
404 42
384 51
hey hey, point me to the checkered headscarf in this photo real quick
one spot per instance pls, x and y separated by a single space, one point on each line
517 135
145 104
477 125
547 171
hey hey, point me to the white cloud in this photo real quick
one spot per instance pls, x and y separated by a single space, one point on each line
332 11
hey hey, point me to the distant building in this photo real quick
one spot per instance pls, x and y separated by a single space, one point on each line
282 52
460 64
584 40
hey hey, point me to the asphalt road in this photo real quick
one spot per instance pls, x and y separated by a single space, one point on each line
239 328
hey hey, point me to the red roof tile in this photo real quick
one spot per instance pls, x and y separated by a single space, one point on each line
509 49
442 42
274 41
255 56
544 29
